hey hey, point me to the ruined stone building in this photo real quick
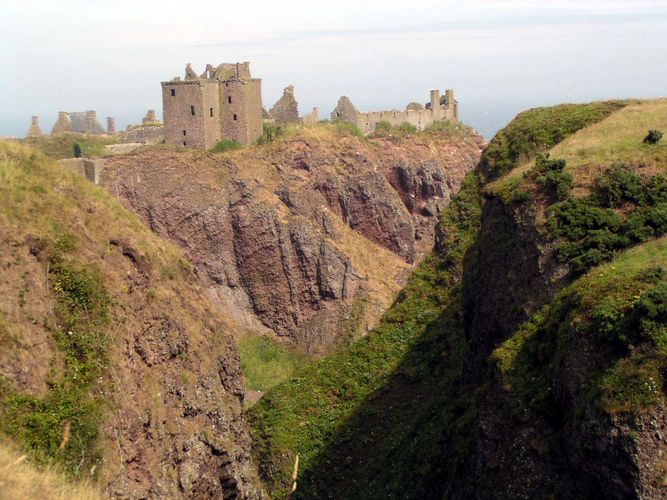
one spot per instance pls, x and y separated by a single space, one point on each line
83 122
286 110
224 102
34 130
150 118
439 108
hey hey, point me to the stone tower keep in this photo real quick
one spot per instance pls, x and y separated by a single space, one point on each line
224 102
34 130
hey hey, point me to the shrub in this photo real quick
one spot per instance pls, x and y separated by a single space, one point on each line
538 130
407 128
270 132
653 137
347 128
618 185
225 145
550 174
591 230
382 127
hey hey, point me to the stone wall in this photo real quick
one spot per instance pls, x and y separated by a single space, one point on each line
311 118
345 111
437 109
83 122
143 134
90 169
286 109
63 123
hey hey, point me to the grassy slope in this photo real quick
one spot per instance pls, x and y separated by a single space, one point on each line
616 138
266 362
81 280
20 479
621 307
367 421
62 145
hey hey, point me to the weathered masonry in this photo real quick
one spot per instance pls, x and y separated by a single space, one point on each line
439 108
224 102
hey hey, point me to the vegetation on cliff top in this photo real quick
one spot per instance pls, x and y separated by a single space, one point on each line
537 130
60 146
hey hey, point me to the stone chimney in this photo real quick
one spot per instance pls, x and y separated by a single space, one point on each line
34 130
111 125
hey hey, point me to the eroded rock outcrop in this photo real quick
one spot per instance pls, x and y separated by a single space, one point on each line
298 235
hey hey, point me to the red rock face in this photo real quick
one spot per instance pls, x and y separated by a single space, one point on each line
291 236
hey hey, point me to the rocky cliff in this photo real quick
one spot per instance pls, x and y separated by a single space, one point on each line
526 356
309 236
113 364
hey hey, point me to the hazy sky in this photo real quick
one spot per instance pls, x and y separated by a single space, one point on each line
500 57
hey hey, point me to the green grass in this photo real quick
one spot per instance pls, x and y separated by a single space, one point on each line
79 332
538 130
225 145
266 363
621 308
61 146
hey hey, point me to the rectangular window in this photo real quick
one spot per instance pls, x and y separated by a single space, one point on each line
211 110
192 110
229 99
173 92
184 132
235 118
185 143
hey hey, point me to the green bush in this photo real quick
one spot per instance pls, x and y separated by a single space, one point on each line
653 137
38 423
591 230
383 127
550 174
225 145
271 132
347 128
408 128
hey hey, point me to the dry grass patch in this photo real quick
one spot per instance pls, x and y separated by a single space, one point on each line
20 479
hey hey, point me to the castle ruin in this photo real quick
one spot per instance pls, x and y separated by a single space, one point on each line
286 110
439 108
150 118
224 102
84 122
